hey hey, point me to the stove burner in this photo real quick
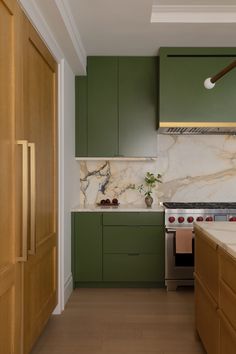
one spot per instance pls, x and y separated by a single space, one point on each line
200 205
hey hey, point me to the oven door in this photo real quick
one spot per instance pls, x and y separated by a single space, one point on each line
177 266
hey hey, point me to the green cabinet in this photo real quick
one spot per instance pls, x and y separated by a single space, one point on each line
138 79
114 248
87 247
116 107
183 97
102 106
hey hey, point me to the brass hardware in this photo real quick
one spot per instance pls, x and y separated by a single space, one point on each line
24 145
197 124
32 249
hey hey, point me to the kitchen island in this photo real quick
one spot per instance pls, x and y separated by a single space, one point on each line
215 286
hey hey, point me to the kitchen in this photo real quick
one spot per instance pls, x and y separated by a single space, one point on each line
115 148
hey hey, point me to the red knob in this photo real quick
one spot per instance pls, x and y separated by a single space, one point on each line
181 219
199 218
190 219
209 218
233 218
171 219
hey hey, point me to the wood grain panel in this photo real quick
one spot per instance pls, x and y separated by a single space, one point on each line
40 272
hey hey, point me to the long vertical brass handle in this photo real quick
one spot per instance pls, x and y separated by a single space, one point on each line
32 249
24 144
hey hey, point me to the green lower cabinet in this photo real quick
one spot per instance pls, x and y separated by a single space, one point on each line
87 243
133 267
113 249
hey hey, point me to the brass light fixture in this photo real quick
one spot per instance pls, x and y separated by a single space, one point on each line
210 82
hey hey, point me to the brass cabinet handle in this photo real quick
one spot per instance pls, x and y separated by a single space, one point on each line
24 144
32 249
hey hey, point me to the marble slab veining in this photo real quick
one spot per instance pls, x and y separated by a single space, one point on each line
196 168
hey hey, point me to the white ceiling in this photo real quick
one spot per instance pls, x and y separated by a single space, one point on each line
123 27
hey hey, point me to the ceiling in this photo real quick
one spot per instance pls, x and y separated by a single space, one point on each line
123 27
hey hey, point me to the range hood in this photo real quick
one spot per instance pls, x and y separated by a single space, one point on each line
197 128
190 101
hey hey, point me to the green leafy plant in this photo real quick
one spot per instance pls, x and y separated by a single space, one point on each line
150 183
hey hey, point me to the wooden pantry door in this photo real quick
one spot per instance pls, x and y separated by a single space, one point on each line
10 246
40 102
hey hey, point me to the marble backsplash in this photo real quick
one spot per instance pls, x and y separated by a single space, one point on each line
193 168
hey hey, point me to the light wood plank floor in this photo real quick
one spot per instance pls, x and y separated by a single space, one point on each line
123 321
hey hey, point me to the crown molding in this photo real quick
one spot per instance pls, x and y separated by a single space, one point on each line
72 30
35 16
193 14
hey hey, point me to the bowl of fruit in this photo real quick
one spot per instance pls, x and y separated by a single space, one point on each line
108 203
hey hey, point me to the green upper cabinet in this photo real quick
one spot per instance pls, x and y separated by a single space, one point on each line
138 106
116 107
81 122
183 97
102 106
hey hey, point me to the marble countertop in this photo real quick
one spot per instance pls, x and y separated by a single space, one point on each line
120 208
221 232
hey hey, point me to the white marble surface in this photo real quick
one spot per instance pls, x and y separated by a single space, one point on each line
120 208
222 233
196 168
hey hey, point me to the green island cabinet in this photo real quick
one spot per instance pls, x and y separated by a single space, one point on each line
116 107
118 249
183 97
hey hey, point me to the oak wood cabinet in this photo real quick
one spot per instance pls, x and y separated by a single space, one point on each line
215 296
28 182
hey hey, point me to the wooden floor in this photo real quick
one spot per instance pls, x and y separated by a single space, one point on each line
123 321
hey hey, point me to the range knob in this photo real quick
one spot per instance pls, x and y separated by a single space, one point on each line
233 218
190 219
171 219
199 218
180 219
209 218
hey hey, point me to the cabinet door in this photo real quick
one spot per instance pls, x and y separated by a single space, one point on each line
138 106
102 106
183 97
81 117
10 277
40 271
87 247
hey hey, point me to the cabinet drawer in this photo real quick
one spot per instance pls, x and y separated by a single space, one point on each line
206 254
133 267
228 303
145 218
137 239
207 321
227 269
227 336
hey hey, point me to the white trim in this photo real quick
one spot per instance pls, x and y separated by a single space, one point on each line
193 14
33 13
61 85
68 288
72 29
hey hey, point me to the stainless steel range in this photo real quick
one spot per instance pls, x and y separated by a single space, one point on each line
179 218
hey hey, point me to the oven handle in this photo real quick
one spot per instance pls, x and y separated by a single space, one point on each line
171 231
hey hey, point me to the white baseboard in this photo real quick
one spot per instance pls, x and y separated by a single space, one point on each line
68 288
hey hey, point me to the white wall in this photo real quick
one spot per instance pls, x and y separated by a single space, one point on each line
70 170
